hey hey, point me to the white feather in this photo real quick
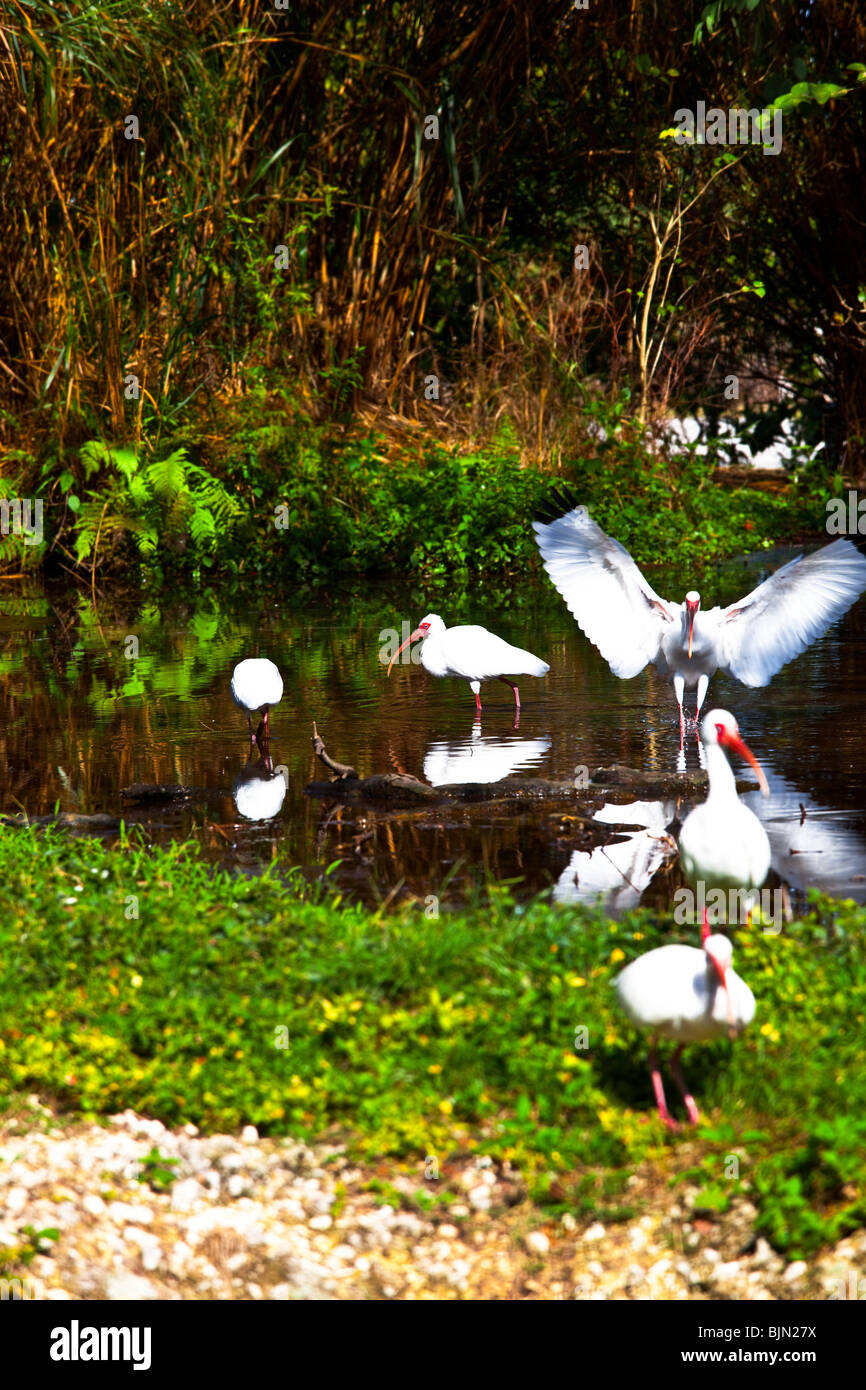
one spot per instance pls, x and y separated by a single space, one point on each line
256 682
619 611
676 992
790 610
474 654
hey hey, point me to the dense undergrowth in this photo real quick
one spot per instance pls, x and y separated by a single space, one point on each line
141 977
272 495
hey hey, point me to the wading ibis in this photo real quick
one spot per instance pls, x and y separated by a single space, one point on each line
471 653
722 843
631 625
257 685
687 994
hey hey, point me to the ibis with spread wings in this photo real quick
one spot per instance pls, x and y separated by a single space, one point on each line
752 639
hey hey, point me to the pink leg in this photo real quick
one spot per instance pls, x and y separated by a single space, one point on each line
516 691
682 729
250 727
678 1078
705 927
478 702
264 727
659 1089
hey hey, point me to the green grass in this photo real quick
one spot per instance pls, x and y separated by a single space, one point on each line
226 1001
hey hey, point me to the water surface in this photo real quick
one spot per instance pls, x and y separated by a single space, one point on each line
95 700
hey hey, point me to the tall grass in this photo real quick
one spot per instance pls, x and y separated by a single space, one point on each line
194 196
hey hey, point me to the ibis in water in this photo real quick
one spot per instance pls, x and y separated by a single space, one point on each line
722 843
689 995
257 685
471 653
631 625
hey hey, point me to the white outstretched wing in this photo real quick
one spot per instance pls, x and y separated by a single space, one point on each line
605 590
789 611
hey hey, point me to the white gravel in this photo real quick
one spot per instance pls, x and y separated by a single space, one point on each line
251 1218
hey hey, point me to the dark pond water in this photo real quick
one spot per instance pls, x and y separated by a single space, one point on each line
94 700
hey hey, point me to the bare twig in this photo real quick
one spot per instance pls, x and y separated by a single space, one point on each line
341 769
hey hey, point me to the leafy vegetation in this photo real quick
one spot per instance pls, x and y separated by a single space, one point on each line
227 1000
213 318
300 504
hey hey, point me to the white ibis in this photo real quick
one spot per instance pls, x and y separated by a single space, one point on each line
257 685
687 994
722 843
752 639
471 653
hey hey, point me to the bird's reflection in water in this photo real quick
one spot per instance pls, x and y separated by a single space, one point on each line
481 758
620 872
810 846
260 789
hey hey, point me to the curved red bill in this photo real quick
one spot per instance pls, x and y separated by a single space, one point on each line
736 745
413 636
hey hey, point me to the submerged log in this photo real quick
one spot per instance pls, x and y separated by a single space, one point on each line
169 791
71 819
607 784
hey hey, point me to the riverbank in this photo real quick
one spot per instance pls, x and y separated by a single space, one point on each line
135 978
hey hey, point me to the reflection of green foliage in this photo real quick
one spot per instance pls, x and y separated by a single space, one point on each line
417 1040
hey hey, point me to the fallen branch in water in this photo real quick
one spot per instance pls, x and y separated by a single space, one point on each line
608 783
342 769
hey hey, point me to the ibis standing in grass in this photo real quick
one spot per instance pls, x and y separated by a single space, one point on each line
631 625
472 654
257 685
722 843
687 994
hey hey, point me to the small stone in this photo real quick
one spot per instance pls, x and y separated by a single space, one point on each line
179 1259
130 1213
448 1232
249 1135
595 1232
186 1194
93 1205
320 1223
480 1198
235 1185
145 1240
569 1222
280 1293
16 1200
537 1243
795 1271
131 1288
712 1256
